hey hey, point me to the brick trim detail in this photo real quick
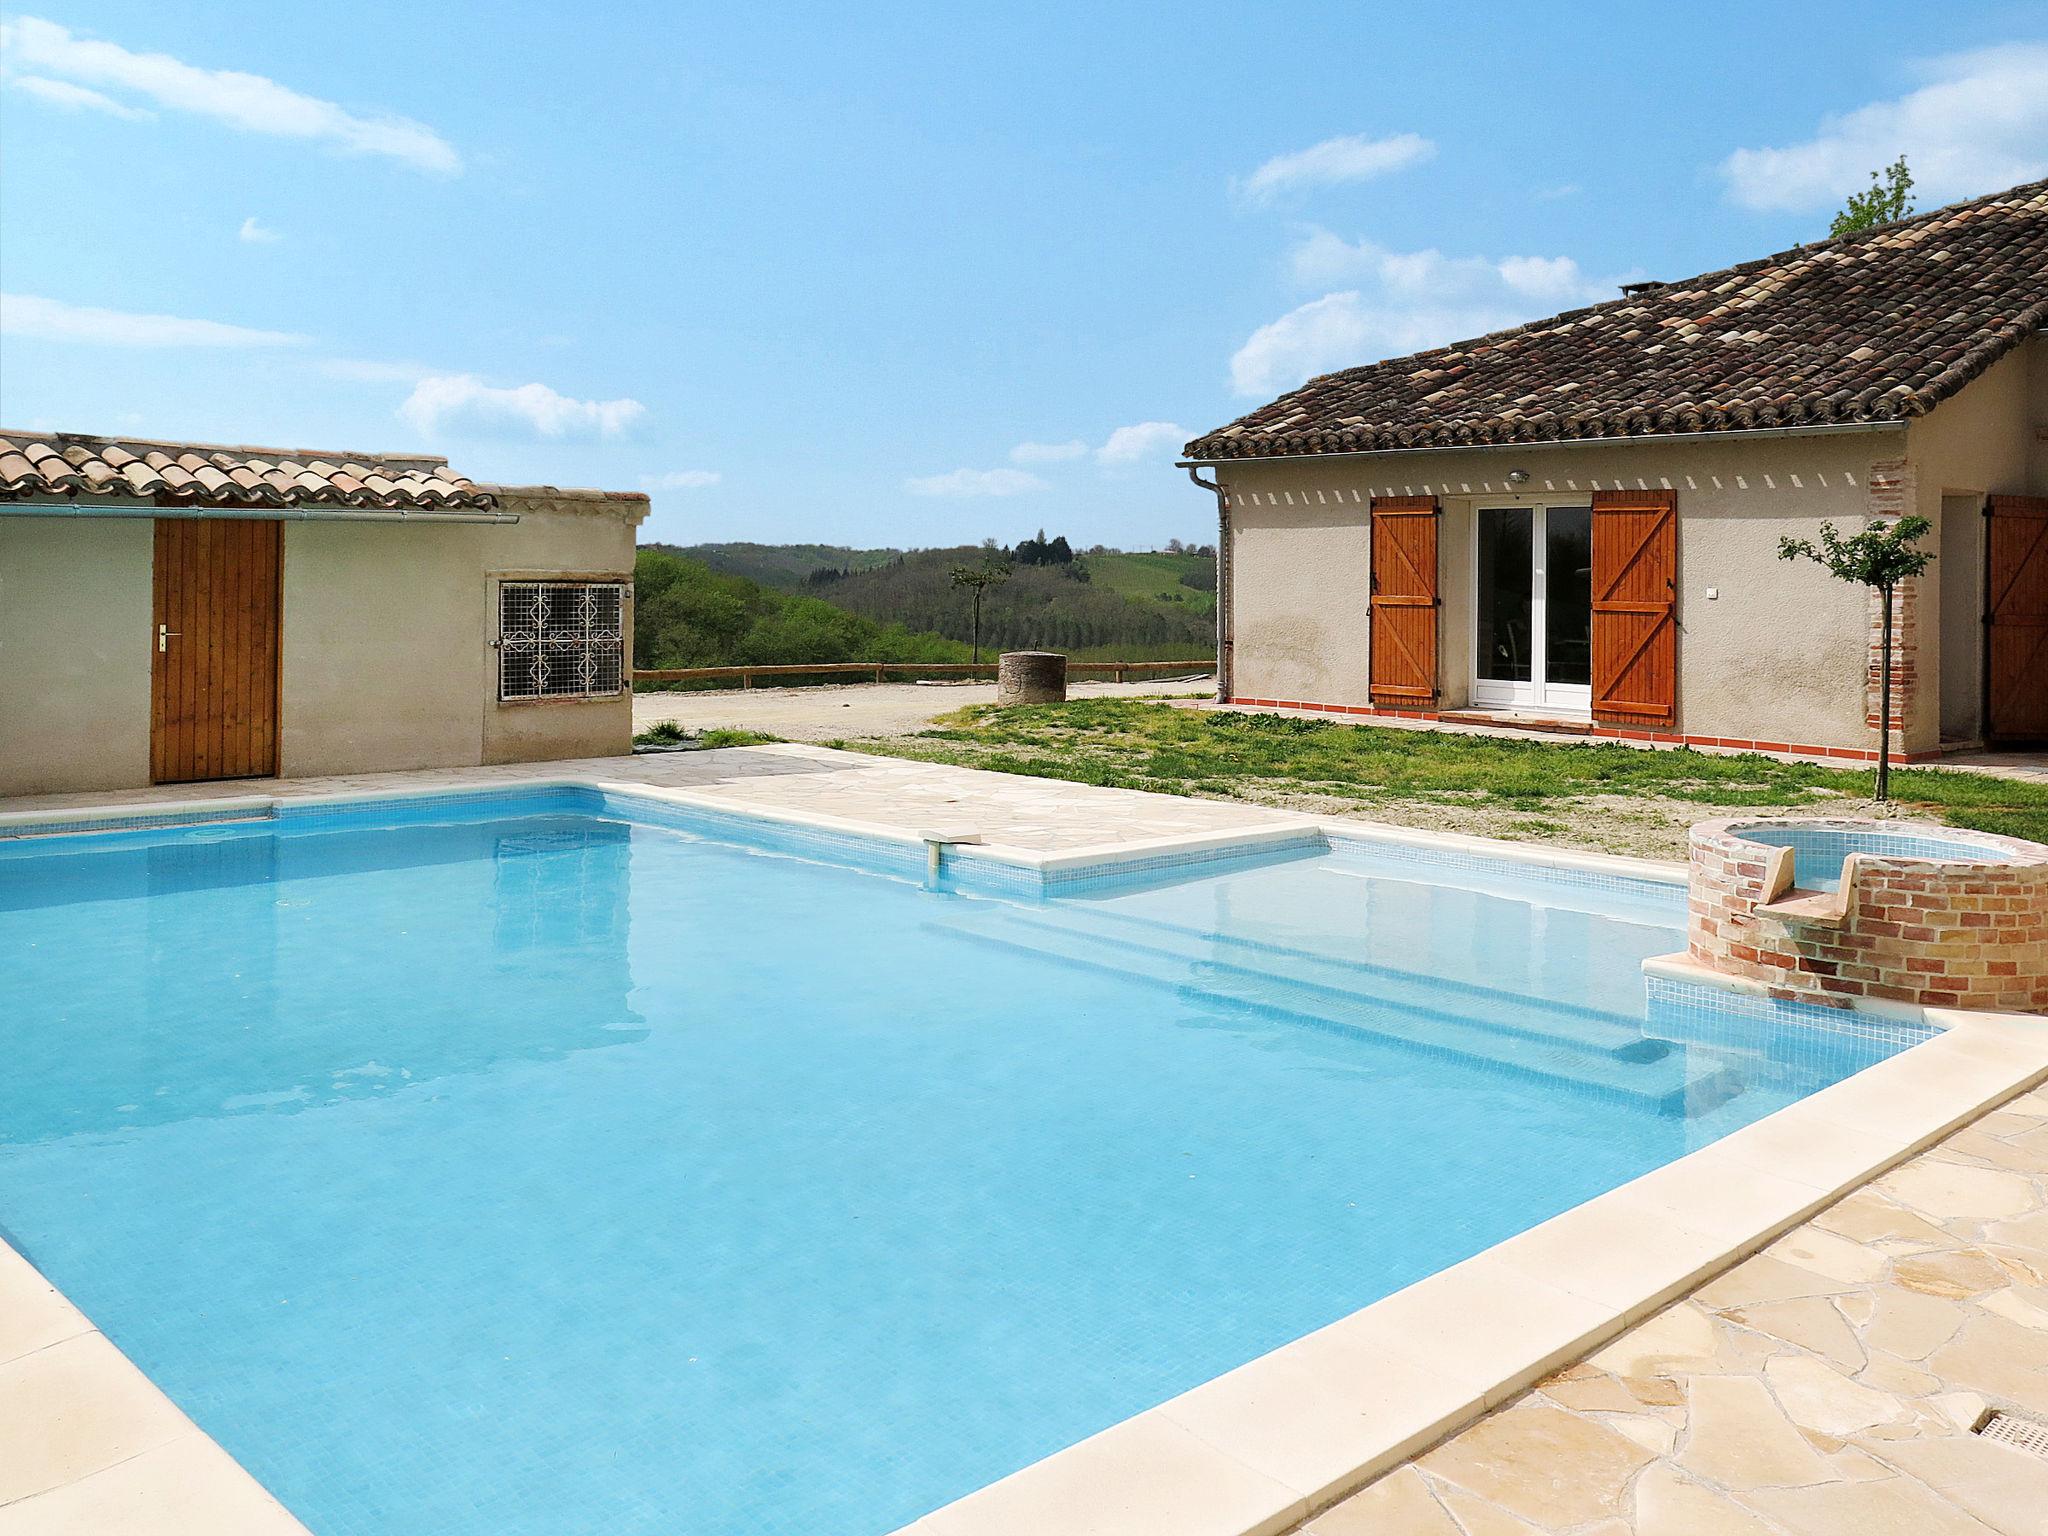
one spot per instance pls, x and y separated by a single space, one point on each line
1888 494
1943 933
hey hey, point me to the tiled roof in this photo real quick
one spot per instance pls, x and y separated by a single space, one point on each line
210 474
1873 327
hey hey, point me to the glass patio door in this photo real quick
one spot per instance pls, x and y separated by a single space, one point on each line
1534 598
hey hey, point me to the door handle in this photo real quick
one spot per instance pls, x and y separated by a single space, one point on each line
164 636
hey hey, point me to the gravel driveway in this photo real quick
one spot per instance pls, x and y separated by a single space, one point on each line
860 709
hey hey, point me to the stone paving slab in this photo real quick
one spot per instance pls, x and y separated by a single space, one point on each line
1826 1387
1010 810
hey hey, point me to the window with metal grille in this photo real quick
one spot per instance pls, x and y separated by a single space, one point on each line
561 639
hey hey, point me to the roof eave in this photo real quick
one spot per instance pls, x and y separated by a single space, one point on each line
1813 429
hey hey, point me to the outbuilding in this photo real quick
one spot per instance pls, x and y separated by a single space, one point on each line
188 611
1575 524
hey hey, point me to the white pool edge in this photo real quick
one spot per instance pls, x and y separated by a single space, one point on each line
1260 1448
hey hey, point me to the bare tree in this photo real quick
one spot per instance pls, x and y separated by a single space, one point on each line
979 578
1880 557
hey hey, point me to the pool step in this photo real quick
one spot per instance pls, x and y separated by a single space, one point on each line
1520 1013
1669 1084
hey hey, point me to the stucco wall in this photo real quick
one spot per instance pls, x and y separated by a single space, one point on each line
583 537
388 660
387 651
1777 655
1984 442
1298 600
75 616
2037 388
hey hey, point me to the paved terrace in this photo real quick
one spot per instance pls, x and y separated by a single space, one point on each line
1042 815
1826 1387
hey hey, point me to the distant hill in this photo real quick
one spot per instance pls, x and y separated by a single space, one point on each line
1108 605
725 604
687 615
781 566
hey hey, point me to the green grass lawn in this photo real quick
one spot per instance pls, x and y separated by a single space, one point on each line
1593 795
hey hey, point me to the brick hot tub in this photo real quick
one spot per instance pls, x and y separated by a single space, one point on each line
1833 911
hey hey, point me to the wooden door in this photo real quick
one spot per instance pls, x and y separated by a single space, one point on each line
214 649
2016 642
1635 599
1403 663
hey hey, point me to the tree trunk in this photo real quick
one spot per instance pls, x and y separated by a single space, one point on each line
1884 703
977 628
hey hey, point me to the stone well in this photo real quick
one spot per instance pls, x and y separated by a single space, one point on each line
1831 911
1031 677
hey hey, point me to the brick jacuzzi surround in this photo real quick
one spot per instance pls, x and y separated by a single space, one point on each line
1944 930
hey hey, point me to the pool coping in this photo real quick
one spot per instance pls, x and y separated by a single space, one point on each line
1258 1449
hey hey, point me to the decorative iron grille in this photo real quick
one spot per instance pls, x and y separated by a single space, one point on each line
561 639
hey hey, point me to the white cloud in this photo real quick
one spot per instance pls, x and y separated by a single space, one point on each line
1048 453
24 314
1398 302
248 102
464 399
681 480
1353 157
253 233
75 98
1980 124
974 482
1146 440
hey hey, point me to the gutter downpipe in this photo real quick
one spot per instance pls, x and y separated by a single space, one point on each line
1222 581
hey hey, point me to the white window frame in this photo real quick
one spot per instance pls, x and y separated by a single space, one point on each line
1564 700
597 650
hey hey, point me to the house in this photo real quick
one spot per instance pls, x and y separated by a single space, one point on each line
181 611
1575 523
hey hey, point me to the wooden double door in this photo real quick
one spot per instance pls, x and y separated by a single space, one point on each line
1575 605
2016 620
214 649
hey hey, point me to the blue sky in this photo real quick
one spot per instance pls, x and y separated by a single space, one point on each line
899 274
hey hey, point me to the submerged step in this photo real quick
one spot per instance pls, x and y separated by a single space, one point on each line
1669 1084
1539 1018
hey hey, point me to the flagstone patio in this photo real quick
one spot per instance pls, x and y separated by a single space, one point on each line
1826 1387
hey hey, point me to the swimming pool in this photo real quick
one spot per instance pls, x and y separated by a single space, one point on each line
540 1162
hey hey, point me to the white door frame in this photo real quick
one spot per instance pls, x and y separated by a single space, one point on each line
1568 700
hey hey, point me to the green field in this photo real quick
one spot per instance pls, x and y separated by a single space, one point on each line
1156 578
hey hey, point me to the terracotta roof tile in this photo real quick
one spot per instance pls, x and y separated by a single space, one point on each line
210 474
1879 326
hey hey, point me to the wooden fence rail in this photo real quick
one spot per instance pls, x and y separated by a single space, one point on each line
880 671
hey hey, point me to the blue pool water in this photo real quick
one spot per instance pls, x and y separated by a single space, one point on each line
514 1166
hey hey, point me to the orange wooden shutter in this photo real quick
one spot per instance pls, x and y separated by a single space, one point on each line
1404 601
2016 659
1635 595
